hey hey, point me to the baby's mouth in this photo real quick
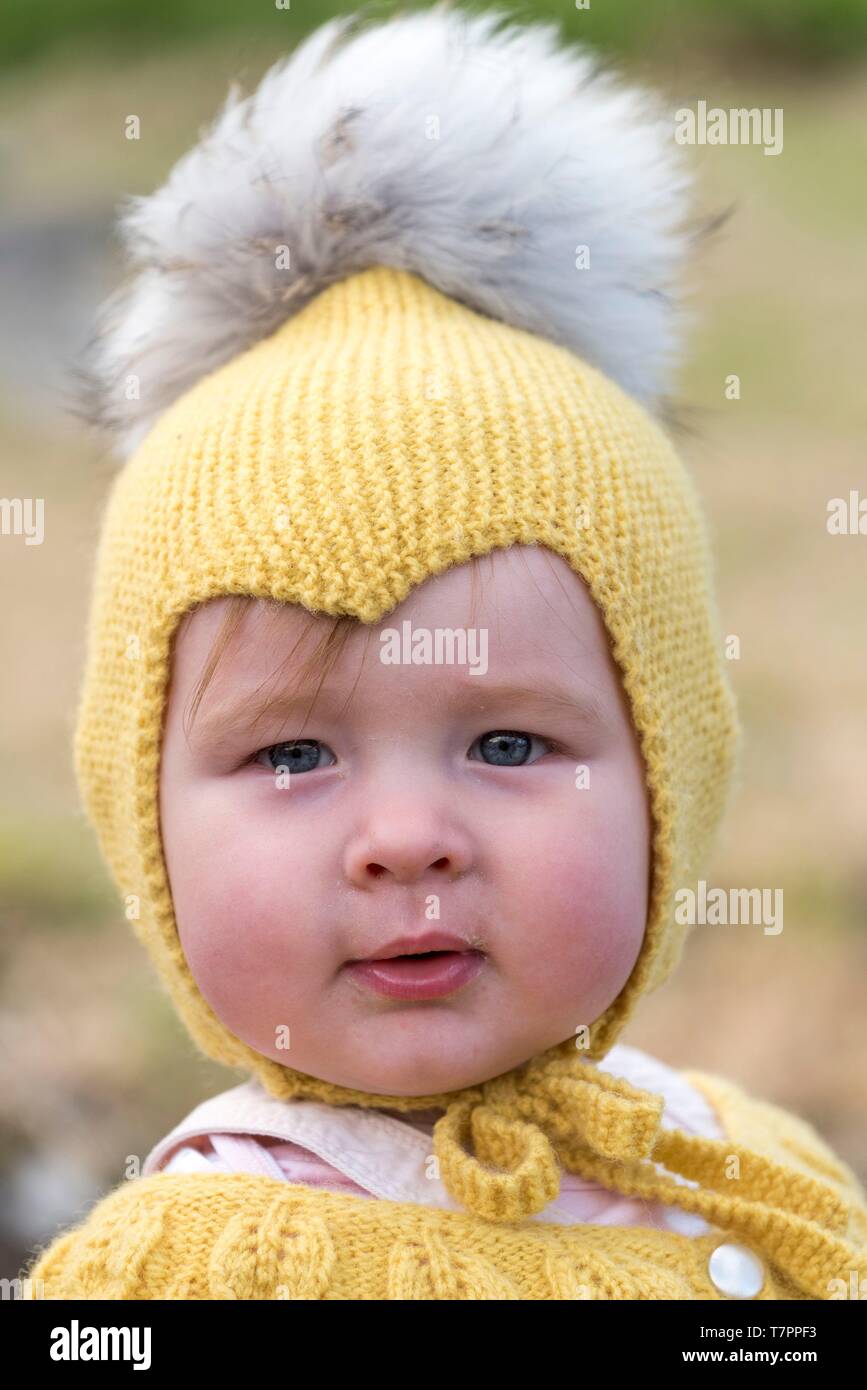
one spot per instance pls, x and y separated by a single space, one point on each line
426 969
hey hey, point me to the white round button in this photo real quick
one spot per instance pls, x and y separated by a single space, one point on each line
736 1271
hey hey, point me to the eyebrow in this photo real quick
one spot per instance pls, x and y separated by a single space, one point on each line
237 716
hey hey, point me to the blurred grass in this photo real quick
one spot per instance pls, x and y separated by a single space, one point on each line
800 31
49 876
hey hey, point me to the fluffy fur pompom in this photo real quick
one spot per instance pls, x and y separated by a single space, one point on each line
474 151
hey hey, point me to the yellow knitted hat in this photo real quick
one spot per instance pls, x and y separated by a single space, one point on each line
333 430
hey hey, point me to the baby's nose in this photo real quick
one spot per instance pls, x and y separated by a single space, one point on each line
407 853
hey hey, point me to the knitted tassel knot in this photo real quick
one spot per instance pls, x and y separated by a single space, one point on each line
497 1147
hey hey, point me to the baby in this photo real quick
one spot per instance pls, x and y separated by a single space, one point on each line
418 802
387 384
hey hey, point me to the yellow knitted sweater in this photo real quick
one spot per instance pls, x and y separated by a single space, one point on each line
771 1185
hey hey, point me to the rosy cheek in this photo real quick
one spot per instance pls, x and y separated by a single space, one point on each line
590 894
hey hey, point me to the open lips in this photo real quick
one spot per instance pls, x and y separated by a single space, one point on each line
424 967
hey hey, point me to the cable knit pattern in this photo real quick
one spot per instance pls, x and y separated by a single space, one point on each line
221 1236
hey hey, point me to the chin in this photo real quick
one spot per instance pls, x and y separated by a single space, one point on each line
407 1082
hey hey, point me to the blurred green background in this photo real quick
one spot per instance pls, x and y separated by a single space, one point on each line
95 1065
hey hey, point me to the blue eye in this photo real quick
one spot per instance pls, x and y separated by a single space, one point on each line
298 755
508 747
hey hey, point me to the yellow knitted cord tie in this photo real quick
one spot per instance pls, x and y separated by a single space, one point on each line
525 1126
514 1122
528 1125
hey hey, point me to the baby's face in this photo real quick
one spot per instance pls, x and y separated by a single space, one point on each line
432 800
